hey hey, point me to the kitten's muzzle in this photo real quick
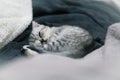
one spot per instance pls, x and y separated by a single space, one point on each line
43 41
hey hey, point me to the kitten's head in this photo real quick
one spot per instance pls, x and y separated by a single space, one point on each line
40 32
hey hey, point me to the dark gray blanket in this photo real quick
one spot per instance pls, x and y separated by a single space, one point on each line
91 15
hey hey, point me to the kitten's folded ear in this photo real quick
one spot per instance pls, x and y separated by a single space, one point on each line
35 24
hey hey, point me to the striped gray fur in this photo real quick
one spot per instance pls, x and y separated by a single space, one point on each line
65 40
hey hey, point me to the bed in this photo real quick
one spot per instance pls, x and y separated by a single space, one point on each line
99 17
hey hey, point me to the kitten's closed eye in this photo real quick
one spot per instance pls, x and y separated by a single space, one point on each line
40 35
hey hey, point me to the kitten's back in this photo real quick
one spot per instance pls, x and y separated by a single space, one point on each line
74 40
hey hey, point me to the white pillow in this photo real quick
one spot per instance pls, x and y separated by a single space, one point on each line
15 16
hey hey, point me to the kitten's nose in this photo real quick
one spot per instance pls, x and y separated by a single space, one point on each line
43 41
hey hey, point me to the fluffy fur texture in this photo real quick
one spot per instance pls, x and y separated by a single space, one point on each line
63 40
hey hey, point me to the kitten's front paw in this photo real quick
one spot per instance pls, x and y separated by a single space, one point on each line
27 51
24 49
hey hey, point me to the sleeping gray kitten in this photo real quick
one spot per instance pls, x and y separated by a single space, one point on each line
65 40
